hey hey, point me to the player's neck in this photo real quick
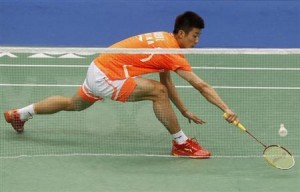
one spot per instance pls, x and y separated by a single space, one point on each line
178 40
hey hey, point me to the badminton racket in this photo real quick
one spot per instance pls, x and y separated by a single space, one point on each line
275 155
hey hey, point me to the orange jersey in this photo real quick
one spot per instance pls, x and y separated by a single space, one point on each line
122 66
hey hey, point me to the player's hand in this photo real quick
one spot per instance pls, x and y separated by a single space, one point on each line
231 117
192 117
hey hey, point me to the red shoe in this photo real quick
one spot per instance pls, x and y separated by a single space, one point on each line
13 117
191 148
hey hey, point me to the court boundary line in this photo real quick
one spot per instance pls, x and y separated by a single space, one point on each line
124 155
204 68
177 86
251 68
42 65
36 85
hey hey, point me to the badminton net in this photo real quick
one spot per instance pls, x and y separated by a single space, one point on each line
260 85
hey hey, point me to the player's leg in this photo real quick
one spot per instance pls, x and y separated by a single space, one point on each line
55 104
147 89
80 101
50 105
156 92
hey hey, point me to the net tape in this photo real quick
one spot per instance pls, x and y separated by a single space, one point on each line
89 50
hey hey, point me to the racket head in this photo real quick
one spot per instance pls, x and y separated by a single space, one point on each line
279 157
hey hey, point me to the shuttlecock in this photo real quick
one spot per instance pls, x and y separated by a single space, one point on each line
282 131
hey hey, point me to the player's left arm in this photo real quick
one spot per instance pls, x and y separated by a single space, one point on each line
165 79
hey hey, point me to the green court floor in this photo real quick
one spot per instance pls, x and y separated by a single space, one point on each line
165 174
121 147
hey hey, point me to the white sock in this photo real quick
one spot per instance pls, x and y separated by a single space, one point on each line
180 137
26 112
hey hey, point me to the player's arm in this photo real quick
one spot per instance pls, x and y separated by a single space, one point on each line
165 78
208 92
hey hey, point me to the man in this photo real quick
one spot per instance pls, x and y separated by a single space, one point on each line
117 76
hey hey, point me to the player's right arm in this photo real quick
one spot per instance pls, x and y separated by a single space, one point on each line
208 92
165 79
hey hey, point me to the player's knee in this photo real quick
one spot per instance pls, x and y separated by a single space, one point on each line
161 91
77 106
73 105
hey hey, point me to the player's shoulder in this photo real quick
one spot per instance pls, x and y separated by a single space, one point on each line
163 39
156 34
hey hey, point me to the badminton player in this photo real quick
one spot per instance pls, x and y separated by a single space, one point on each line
118 77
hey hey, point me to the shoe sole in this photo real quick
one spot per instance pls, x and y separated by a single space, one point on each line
192 157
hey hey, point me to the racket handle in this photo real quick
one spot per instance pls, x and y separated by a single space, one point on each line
238 125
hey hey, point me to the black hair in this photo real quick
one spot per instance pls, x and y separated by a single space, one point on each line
187 21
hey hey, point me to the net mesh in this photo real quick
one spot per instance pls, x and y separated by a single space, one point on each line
261 85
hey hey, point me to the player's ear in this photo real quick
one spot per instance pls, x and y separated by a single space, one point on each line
181 34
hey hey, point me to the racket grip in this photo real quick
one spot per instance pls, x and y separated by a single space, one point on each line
238 125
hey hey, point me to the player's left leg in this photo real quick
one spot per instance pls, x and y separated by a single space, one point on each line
50 105
55 104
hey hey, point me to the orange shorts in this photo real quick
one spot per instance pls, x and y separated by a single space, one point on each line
98 86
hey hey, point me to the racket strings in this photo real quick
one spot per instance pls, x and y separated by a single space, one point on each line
279 157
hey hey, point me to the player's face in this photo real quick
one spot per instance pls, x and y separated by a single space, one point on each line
189 40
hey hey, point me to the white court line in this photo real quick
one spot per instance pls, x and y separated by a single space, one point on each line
249 68
121 155
205 68
235 87
40 65
177 86
37 85
84 154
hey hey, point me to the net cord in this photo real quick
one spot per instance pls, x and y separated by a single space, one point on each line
95 50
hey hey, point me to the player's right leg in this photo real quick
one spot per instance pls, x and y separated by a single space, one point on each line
147 89
156 92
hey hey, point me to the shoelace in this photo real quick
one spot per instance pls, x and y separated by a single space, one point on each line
30 116
194 141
